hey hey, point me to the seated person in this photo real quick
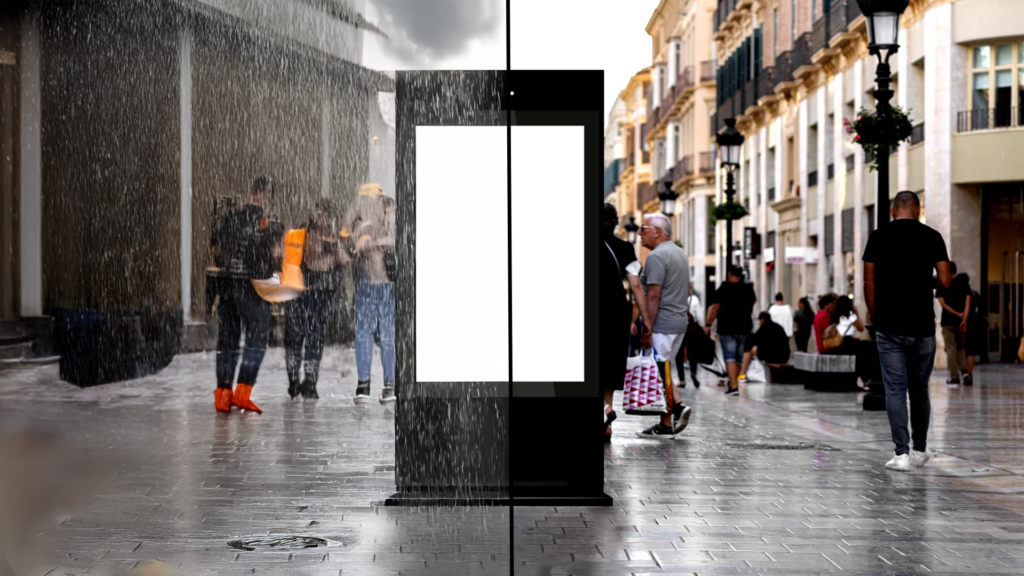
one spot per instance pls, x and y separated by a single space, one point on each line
770 344
848 324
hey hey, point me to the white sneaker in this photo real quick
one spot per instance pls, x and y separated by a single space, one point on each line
900 462
918 459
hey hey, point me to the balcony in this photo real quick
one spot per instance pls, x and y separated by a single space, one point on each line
647 193
841 15
782 76
802 65
749 96
987 119
687 166
725 8
708 69
652 120
765 84
819 34
707 162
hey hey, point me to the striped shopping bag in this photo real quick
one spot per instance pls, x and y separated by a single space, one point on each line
643 392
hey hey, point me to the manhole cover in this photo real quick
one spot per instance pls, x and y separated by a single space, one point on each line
755 446
282 542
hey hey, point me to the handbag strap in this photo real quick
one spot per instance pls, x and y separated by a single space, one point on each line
617 265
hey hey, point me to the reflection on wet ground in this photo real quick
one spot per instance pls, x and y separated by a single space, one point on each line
777 481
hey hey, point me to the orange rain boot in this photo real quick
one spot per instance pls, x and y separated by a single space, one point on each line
241 398
222 399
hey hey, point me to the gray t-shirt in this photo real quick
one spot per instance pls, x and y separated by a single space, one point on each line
668 267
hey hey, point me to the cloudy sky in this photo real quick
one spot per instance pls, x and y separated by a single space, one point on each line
546 34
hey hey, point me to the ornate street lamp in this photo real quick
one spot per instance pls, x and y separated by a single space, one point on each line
668 199
631 230
729 143
883 23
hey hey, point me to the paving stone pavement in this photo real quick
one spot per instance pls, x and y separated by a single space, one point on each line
730 496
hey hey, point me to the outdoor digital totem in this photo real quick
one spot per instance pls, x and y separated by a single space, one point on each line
489 366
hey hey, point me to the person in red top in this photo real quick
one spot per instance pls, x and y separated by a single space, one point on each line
823 319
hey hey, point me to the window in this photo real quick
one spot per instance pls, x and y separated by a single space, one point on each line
792 19
775 32
996 86
679 69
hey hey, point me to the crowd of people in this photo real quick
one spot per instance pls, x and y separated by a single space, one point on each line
898 348
248 244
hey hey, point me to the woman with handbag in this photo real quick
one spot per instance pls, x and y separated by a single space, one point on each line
840 337
823 319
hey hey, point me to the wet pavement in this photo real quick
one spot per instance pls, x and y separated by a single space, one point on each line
776 481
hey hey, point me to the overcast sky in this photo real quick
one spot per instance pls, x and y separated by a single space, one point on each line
546 34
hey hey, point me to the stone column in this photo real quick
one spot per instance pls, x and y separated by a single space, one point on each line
859 238
671 154
31 173
802 145
822 267
838 271
185 169
655 86
902 99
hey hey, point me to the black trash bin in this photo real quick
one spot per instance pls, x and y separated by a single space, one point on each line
103 347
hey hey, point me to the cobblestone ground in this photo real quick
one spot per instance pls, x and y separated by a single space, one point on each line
777 481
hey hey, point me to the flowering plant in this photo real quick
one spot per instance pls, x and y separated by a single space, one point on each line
885 127
728 210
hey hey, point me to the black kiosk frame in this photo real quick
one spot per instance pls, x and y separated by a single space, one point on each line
486 443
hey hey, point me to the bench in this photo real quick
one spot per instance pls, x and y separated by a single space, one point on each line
784 374
827 372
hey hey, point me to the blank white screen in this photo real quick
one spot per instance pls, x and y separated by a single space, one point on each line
548 208
462 254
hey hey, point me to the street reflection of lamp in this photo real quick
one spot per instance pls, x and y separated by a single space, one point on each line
883 23
729 141
631 230
668 199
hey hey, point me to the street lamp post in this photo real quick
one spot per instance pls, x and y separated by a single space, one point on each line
729 143
883 23
668 199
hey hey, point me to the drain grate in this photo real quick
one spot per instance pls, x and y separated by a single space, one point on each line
801 446
283 542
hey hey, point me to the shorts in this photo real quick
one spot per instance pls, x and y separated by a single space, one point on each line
733 346
666 346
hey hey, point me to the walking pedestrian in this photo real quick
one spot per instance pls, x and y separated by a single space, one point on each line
956 309
370 230
666 281
733 307
898 262
306 316
246 246
694 310
618 262
804 324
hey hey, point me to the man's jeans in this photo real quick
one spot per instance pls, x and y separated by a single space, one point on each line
375 310
906 366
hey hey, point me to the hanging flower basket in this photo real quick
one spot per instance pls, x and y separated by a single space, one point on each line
872 129
728 211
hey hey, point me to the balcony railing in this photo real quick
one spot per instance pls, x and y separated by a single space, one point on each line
783 69
687 165
646 193
708 68
749 95
802 51
819 34
841 15
707 162
652 118
812 178
725 7
765 83
987 119
917 134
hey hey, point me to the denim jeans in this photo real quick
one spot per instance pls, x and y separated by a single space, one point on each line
733 347
240 309
906 367
375 309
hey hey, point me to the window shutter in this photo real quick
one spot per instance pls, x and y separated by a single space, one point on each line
848 230
830 244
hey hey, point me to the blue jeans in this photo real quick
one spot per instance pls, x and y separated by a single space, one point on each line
906 366
375 309
733 347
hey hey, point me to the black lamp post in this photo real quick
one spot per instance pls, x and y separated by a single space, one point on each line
631 230
668 199
883 22
729 143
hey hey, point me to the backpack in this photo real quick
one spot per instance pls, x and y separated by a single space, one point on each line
245 237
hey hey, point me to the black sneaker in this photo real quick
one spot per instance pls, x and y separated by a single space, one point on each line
387 394
293 389
659 430
732 391
680 417
968 380
363 393
308 390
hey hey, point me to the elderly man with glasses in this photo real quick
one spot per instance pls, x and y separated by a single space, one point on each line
666 280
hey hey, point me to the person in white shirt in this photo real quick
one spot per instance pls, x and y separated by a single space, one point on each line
782 314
